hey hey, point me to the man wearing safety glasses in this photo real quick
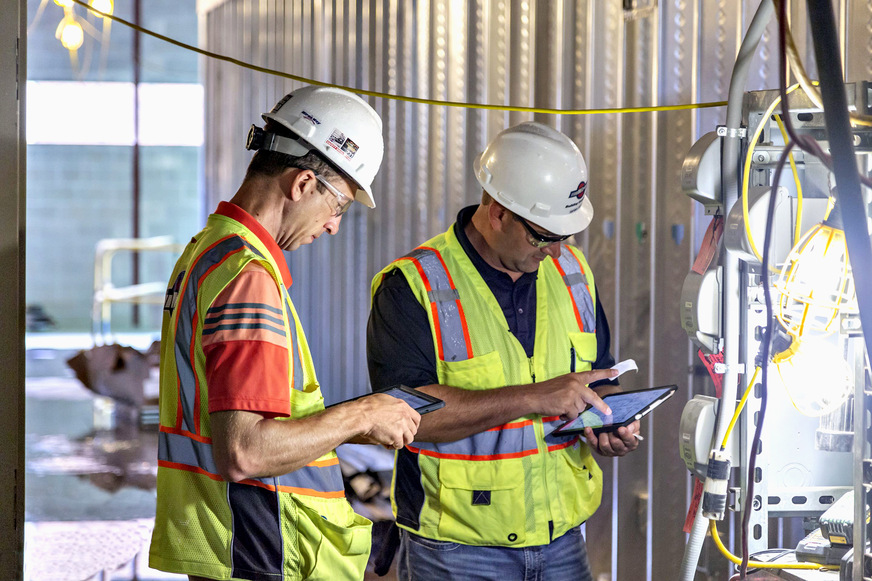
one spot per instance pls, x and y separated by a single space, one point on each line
248 484
502 321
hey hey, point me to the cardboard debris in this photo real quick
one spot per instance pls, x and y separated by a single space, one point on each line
115 371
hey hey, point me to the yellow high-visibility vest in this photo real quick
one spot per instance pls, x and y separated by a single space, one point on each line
295 526
517 484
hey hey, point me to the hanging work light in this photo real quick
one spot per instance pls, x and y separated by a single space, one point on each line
815 375
816 282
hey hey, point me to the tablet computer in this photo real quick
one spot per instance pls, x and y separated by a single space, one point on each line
418 400
627 407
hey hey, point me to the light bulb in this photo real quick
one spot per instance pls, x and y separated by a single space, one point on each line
816 283
72 36
105 6
64 3
815 375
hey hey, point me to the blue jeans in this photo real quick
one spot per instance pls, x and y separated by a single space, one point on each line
422 559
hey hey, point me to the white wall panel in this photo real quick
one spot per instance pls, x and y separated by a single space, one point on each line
554 53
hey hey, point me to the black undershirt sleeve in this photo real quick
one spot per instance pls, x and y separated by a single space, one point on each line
399 343
604 357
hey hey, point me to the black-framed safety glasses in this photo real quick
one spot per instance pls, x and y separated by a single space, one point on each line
538 239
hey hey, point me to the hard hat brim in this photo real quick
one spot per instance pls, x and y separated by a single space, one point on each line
568 224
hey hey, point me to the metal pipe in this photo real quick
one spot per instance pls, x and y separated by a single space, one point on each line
731 311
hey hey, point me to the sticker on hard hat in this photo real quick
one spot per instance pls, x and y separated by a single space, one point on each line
279 105
342 144
309 117
578 195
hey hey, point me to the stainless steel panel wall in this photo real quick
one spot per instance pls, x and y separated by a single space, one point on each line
557 53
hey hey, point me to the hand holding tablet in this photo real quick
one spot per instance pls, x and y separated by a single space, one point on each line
627 407
418 400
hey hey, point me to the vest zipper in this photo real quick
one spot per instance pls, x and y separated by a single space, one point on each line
539 427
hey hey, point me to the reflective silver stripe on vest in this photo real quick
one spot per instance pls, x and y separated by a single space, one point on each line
183 450
444 297
576 282
186 451
507 442
295 346
187 306
320 478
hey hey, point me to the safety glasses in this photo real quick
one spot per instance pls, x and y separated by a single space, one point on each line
538 239
343 202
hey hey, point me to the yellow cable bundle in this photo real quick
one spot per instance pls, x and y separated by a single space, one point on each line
746 174
713 528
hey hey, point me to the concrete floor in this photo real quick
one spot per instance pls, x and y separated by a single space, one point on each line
89 487
90 480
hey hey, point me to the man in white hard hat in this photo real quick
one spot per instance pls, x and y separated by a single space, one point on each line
248 483
501 319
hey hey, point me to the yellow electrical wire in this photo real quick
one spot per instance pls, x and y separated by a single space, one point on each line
459 104
739 408
808 85
713 528
747 170
797 229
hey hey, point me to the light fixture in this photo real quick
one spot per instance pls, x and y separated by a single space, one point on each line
104 6
816 282
70 33
815 375
64 3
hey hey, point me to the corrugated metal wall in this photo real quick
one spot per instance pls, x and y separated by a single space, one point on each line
559 53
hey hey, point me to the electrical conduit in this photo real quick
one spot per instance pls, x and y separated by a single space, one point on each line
730 181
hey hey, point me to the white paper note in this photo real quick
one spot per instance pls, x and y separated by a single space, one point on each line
625 365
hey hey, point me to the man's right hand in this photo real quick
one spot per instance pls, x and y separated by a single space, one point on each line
569 395
390 421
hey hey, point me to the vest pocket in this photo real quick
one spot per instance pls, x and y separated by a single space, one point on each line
482 502
306 403
585 350
480 372
329 550
575 471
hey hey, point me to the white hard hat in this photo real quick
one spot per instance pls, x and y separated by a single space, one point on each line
539 174
339 125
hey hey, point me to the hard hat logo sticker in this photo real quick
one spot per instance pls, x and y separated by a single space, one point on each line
342 144
309 117
577 195
579 192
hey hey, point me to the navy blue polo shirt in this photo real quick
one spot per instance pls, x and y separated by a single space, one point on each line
399 344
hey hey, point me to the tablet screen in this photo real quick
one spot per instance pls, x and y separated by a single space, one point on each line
625 406
417 400
414 400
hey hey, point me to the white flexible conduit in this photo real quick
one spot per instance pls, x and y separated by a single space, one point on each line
730 181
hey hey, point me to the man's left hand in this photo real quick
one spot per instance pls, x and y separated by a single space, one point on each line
617 443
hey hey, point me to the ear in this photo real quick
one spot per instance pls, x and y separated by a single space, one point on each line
298 182
497 216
